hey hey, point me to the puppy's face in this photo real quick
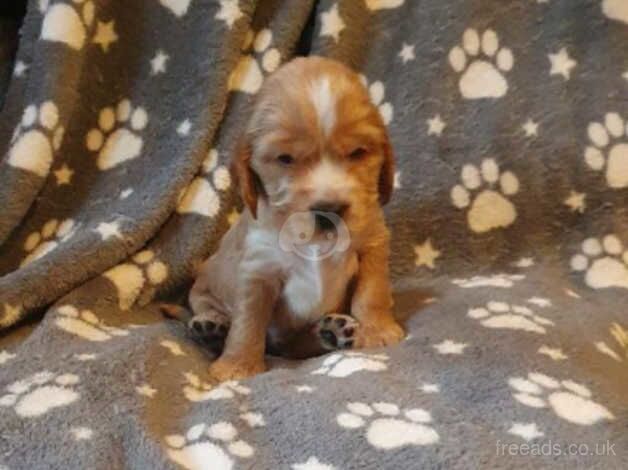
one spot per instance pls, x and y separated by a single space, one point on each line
315 144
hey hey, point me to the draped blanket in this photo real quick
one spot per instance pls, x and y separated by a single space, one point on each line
509 235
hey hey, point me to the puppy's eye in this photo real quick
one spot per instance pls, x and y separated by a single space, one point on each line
358 153
285 159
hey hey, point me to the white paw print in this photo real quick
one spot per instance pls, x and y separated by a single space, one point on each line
40 393
85 324
36 138
387 427
377 91
569 400
375 5
482 78
605 262
200 197
196 390
501 315
609 147
490 209
247 75
178 7
131 277
52 234
208 447
344 364
616 10
505 281
67 22
6 356
116 138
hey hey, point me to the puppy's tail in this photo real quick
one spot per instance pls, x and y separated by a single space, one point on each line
176 312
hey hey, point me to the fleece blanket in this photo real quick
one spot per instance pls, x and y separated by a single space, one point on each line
509 236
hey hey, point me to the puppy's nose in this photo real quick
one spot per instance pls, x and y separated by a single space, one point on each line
337 208
321 209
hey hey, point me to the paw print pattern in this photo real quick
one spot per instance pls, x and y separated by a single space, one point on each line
615 10
387 427
569 400
52 234
41 393
196 390
85 324
248 76
481 78
375 5
201 196
605 263
377 91
609 148
68 23
208 447
116 138
131 278
35 140
6 356
501 315
178 7
342 365
505 281
173 347
490 209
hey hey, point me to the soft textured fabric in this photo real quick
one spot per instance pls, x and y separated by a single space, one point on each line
509 236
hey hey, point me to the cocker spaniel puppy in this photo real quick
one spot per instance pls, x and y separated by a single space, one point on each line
305 268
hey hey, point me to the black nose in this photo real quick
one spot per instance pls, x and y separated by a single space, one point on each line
337 208
321 213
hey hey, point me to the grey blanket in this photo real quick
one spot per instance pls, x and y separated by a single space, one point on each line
509 222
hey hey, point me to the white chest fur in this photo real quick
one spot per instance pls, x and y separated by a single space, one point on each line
314 287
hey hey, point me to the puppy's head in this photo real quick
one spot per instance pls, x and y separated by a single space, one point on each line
315 143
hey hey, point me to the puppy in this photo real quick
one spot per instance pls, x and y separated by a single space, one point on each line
315 166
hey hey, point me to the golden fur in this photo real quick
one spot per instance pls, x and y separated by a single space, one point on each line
316 111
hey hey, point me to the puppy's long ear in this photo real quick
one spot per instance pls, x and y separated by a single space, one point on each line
246 177
386 173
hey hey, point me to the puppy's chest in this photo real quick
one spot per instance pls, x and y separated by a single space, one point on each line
316 287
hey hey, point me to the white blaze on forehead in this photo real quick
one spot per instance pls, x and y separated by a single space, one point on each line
328 176
324 101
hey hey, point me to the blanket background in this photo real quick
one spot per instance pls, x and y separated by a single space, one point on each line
509 224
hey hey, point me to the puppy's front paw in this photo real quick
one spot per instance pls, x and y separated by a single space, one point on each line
380 333
336 331
229 369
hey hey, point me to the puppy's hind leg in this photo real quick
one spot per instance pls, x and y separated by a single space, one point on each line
174 311
209 325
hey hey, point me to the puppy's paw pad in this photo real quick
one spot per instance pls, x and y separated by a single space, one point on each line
210 325
337 331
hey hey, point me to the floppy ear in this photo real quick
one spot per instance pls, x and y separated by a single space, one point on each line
386 173
246 177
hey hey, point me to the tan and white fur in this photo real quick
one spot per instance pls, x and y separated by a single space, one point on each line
314 144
